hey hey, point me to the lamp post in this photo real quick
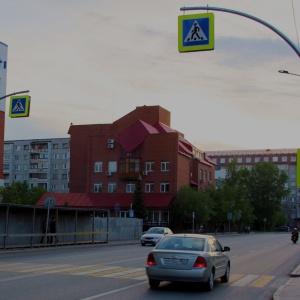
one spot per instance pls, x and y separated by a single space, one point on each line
287 72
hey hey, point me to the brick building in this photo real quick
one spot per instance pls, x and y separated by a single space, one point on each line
106 160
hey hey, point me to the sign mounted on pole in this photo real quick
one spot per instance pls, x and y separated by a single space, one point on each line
19 106
196 32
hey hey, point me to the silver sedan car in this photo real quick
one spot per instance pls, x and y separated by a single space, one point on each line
154 235
188 258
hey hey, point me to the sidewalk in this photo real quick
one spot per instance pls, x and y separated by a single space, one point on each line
291 289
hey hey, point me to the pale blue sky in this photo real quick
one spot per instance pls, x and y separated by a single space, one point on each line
93 61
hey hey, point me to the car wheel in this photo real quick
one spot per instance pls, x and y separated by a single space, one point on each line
154 283
209 285
143 244
225 277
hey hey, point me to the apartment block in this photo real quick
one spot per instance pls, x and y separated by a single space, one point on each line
42 163
287 160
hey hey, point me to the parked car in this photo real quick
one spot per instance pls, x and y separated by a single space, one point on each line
282 228
154 235
188 258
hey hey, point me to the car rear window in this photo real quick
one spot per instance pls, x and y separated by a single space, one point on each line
182 243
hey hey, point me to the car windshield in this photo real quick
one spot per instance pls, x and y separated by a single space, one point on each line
182 243
156 230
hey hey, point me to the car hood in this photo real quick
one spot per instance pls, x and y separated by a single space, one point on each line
157 235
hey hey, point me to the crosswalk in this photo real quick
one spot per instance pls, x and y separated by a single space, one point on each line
240 280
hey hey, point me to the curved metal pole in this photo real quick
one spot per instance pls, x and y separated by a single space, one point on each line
294 47
21 92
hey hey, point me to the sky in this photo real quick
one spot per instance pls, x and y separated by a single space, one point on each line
94 61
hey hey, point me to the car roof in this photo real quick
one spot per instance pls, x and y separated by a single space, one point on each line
192 235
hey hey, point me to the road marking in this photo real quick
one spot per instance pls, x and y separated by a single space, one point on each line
114 291
262 281
245 280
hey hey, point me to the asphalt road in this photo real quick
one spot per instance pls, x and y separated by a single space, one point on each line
260 264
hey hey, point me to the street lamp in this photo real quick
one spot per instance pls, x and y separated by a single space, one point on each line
287 72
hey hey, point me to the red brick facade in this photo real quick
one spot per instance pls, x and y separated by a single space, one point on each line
140 145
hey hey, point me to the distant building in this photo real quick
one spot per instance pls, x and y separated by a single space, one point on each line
3 67
41 162
106 160
285 159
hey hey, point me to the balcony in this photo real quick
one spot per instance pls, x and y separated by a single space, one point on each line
130 169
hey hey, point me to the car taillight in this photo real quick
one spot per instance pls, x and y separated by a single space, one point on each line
151 261
200 262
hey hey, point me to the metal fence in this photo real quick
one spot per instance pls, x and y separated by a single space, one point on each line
21 226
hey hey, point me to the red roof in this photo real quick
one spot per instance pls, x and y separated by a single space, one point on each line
106 200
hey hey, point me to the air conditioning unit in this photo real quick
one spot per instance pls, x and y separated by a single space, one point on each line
145 172
111 146
111 141
108 173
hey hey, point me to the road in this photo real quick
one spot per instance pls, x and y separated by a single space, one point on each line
260 264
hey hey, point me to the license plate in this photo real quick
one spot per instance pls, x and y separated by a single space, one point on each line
175 261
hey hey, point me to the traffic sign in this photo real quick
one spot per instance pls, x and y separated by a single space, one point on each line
196 32
19 106
49 202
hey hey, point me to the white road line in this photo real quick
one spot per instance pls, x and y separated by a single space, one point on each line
114 291
245 280
124 272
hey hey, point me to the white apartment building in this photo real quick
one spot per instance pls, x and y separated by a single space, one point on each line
287 160
41 162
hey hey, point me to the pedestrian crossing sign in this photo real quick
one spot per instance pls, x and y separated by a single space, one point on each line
19 106
196 32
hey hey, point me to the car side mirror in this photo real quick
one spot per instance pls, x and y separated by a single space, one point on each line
226 248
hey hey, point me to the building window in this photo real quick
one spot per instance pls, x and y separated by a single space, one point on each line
165 166
26 147
55 176
248 159
283 158
164 187
98 166
293 158
257 159
64 186
25 167
17 167
65 166
98 187
112 187
16 157
149 187
130 187
55 167
55 146
275 159
112 166
240 160
266 159
65 145
230 159
149 166
53 187
64 176
56 156
6 157
18 148
222 160
65 155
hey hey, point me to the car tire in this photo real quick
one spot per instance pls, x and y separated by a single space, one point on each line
209 285
225 277
154 284
143 244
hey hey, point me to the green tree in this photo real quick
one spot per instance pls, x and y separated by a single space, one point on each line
266 186
138 203
186 201
20 193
